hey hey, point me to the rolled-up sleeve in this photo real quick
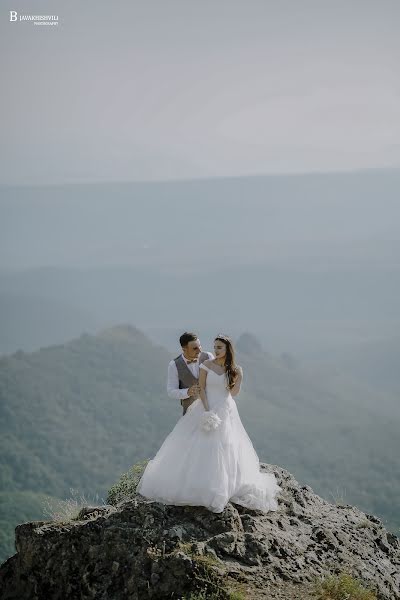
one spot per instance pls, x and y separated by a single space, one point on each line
173 383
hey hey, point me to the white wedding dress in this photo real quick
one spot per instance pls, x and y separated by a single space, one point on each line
209 468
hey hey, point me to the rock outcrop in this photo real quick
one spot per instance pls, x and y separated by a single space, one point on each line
142 549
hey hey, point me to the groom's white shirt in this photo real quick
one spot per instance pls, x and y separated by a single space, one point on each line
173 379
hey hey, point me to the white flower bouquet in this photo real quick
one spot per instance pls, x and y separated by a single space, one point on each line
209 420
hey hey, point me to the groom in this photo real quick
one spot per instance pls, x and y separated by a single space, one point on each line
183 371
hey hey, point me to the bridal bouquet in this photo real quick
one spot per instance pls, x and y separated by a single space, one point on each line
209 420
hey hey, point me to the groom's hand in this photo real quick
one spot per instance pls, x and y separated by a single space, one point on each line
194 390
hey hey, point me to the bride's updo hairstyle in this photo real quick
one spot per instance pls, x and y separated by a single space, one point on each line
231 370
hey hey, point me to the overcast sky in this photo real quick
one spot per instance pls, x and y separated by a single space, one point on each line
171 89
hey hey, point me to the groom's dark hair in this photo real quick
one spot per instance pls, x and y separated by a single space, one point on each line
186 338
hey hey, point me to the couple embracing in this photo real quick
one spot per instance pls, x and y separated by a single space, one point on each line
208 458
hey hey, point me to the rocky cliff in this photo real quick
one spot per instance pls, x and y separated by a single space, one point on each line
141 549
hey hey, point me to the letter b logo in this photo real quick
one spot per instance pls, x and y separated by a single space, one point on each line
13 15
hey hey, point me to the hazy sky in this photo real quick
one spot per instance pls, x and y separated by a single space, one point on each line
170 89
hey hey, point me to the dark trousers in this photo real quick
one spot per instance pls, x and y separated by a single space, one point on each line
186 402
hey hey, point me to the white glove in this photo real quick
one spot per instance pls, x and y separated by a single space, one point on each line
209 420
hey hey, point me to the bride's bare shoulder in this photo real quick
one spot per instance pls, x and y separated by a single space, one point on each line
208 362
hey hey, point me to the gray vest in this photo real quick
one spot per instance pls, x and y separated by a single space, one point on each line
185 375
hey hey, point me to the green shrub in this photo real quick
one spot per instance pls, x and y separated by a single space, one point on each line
125 487
342 587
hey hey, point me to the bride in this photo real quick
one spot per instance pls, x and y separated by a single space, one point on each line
208 459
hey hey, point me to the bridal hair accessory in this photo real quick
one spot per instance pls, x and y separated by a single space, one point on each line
209 420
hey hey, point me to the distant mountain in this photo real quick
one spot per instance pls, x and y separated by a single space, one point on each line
292 309
28 322
81 410
342 218
376 362
80 413
306 261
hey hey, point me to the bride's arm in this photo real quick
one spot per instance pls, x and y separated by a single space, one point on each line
236 388
202 384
